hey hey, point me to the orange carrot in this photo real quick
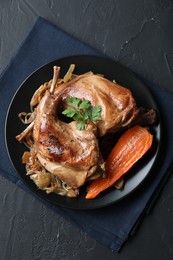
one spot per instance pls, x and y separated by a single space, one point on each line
131 146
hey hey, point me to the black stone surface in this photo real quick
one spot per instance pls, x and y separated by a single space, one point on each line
139 35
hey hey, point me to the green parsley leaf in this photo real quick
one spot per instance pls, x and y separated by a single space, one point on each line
85 116
69 112
78 116
80 126
82 112
96 113
73 101
84 104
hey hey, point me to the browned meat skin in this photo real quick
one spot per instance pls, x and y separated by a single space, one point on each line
117 103
59 141
77 152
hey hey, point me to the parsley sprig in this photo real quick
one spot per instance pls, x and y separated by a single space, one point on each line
82 111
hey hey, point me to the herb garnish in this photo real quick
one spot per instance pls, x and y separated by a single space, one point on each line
82 111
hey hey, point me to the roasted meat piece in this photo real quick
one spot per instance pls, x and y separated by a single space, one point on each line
73 155
70 154
117 103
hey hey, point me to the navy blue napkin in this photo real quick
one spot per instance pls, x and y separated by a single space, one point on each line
111 226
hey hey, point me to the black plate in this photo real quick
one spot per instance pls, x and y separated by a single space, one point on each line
113 71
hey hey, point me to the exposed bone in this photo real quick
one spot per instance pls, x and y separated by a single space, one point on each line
22 135
56 72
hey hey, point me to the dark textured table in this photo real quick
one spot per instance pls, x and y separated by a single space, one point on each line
135 33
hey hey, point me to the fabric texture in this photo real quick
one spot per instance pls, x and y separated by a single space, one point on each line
111 227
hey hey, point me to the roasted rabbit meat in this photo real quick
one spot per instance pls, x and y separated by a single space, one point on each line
70 155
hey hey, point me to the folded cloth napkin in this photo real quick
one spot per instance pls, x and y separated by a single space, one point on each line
112 226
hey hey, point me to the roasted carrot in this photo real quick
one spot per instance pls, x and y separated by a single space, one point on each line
131 146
